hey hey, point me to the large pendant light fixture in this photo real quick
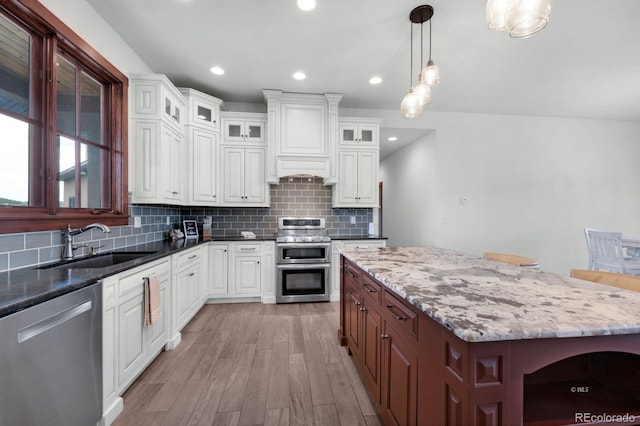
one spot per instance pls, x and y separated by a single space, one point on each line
420 95
521 18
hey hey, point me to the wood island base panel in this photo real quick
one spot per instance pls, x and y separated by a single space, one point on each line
444 338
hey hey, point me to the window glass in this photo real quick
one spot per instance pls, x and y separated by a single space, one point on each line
66 172
66 96
14 68
91 106
94 171
14 173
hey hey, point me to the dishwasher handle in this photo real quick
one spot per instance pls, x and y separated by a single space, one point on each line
52 321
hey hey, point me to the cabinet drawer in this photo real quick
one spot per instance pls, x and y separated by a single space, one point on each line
352 274
400 315
372 289
248 249
189 257
132 283
365 244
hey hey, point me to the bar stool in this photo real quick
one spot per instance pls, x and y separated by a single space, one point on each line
627 282
513 259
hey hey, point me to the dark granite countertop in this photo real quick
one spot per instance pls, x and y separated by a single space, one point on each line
22 288
357 237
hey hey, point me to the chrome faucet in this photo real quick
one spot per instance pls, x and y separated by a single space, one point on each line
69 233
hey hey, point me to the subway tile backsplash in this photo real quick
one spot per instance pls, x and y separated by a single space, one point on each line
297 196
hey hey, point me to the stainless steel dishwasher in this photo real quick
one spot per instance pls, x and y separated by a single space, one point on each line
51 362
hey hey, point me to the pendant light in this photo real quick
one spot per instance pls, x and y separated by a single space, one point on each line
521 18
422 89
410 106
420 95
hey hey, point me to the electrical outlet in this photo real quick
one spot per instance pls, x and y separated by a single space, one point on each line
353 220
137 222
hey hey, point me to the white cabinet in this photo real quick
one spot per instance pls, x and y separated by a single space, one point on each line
246 273
202 110
202 132
237 270
355 134
357 179
186 288
218 270
336 246
127 345
203 152
244 128
171 165
156 148
244 179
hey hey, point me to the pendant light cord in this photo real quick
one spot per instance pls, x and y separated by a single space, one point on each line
411 61
429 40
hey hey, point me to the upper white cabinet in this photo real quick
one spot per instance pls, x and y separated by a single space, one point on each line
359 133
157 149
243 176
244 127
357 179
204 165
202 133
202 110
243 160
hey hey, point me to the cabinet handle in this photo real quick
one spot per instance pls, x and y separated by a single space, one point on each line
368 289
174 117
174 192
363 309
357 303
247 248
193 257
192 274
390 308
351 274
384 336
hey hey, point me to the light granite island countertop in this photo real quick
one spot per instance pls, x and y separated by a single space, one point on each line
480 300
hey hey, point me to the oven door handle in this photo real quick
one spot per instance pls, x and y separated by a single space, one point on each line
303 245
304 266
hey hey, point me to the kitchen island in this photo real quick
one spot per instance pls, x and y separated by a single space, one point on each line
445 338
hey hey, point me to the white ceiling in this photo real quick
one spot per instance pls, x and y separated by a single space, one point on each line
586 63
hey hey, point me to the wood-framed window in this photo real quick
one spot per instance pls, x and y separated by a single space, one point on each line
63 126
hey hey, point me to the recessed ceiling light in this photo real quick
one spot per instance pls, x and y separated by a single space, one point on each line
217 70
392 139
307 5
299 75
375 80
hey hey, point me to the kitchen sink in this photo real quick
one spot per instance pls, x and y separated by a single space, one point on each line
100 260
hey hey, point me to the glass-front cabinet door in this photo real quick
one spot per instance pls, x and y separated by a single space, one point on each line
244 131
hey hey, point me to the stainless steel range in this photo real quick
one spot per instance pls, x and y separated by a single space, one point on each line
303 260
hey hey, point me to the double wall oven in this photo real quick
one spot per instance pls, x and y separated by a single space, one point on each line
303 260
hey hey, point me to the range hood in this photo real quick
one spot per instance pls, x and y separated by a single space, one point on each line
304 131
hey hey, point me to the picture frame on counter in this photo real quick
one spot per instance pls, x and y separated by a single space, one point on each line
190 229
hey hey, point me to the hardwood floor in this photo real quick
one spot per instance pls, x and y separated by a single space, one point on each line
253 364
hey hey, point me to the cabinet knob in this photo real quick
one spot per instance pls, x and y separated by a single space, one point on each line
363 309
384 336
357 303
192 274
258 262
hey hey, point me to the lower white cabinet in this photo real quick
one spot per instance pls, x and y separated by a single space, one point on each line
241 270
186 289
127 346
336 246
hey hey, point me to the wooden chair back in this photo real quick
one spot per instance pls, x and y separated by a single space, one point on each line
512 259
627 282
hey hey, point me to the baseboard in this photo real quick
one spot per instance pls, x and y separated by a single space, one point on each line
173 343
110 414
212 301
